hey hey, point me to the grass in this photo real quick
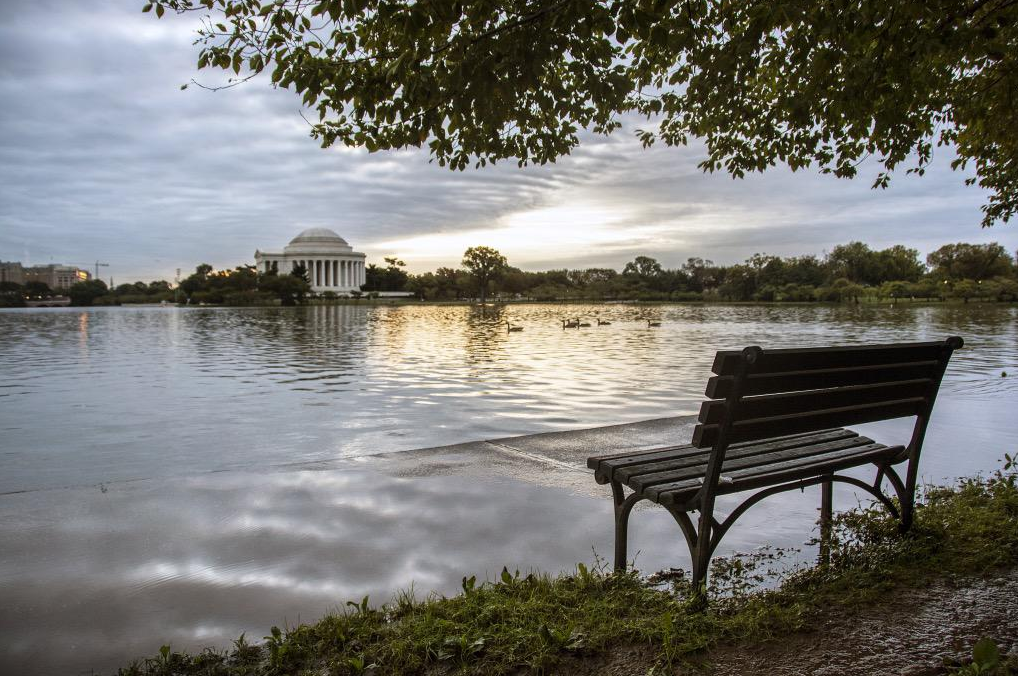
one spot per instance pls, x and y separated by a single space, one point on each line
534 621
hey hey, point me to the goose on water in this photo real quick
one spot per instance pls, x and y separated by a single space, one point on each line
601 322
581 325
570 324
650 323
512 327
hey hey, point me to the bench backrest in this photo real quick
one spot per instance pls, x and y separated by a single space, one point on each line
759 394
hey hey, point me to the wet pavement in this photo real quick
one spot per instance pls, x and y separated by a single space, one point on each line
913 634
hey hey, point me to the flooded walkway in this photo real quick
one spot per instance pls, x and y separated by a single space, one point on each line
207 472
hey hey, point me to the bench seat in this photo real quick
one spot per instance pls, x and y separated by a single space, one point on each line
674 475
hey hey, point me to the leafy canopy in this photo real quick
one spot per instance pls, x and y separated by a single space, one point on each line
484 264
824 84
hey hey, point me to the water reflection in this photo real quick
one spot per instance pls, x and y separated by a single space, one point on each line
201 425
168 391
108 576
165 391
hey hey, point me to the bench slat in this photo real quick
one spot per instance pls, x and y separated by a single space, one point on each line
719 387
761 428
803 359
608 464
642 482
788 403
596 461
647 475
775 473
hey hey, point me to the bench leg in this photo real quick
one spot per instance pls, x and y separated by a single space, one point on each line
907 499
702 552
826 510
623 507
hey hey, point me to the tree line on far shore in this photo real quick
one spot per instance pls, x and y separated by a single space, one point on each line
851 272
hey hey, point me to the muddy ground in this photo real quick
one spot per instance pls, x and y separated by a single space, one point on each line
914 633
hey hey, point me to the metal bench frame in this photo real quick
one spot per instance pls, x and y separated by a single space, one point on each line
781 412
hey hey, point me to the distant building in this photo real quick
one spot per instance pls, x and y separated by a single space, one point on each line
331 263
54 276
12 272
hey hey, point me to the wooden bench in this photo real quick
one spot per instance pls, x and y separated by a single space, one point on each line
775 422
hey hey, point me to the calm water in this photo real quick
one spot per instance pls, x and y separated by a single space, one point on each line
170 475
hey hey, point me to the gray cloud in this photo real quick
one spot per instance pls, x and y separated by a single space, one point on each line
103 157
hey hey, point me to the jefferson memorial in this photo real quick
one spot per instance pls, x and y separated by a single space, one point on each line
332 264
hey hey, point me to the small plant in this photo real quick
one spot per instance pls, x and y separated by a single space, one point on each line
987 660
460 648
560 639
277 649
985 655
359 608
359 665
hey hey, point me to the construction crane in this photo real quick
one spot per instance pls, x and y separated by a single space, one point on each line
97 265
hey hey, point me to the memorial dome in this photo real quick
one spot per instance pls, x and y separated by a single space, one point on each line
317 240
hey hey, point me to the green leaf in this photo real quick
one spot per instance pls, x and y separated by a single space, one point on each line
985 653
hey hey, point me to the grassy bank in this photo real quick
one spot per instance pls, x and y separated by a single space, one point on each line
536 621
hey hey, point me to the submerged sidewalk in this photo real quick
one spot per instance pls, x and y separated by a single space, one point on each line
556 459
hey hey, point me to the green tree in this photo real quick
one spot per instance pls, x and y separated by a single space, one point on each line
35 289
965 289
895 290
970 261
900 263
85 293
300 271
740 283
856 262
821 84
1005 289
703 274
290 289
485 265
12 295
394 276
644 267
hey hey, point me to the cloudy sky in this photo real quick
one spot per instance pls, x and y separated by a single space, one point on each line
103 157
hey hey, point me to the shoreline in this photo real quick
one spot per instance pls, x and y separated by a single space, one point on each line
410 302
593 621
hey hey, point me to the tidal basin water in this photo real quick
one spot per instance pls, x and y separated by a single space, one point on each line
176 475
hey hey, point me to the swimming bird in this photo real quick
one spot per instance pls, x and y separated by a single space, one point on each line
511 328
650 323
570 324
580 325
601 322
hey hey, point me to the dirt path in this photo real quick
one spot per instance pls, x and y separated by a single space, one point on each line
911 636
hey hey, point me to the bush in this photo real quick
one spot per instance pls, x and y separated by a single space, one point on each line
249 297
